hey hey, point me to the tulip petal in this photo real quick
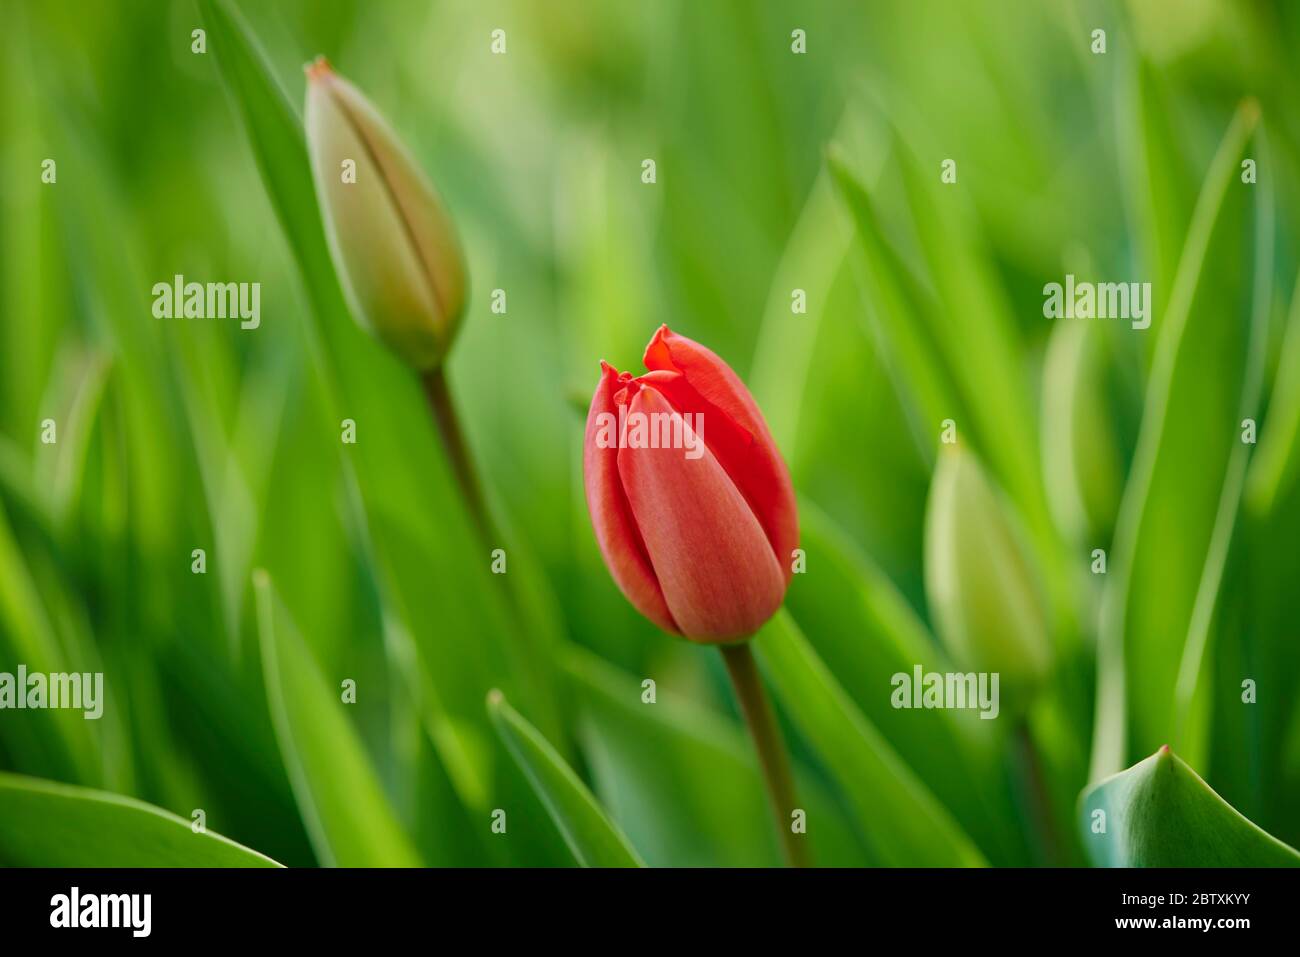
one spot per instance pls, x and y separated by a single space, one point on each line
611 517
735 432
713 562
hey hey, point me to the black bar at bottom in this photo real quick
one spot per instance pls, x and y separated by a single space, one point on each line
331 907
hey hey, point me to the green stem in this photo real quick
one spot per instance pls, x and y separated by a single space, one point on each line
531 656
772 757
1040 801
453 439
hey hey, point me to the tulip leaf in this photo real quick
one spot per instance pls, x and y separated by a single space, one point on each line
60 740
21 489
683 782
278 147
590 834
904 822
413 521
1275 466
783 356
974 327
1157 185
1082 452
897 305
866 633
347 814
1175 523
1159 813
80 380
48 824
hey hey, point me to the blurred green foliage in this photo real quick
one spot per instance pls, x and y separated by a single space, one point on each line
775 171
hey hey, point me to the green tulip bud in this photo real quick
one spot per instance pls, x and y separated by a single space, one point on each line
392 241
984 596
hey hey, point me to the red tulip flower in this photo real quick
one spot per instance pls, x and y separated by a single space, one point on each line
691 501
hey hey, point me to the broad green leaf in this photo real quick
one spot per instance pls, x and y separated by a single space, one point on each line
20 487
61 739
279 148
1195 669
1255 661
1157 187
683 782
866 632
47 824
902 820
973 328
953 343
1082 454
342 802
33 254
593 838
1159 813
811 262
1175 521
466 628
1274 467
898 307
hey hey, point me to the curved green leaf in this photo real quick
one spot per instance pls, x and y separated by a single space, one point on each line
902 820
952 339
414 521
1275 466
1083 456
59 740
1157 188
683 782
783 355
347 814
1176 522
278 147
590 834
1159 813
898 306
47 824
866 632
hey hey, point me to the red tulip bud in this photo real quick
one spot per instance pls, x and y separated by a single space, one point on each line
691 501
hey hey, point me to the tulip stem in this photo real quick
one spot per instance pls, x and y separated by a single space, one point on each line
453 439
462 465
772 757
1040 802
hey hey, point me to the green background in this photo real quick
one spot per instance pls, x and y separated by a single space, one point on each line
183 434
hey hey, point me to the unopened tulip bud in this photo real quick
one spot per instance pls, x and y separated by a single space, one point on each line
689 497
980 580
392 241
